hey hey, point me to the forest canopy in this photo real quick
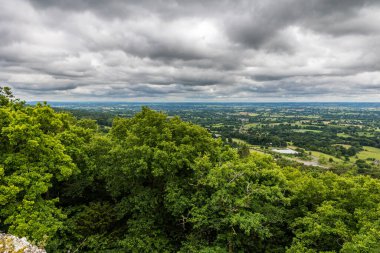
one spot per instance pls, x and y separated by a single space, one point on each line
159 184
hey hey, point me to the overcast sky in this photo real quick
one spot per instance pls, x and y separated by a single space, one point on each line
267 50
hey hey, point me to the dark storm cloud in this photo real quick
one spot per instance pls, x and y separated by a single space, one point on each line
189 50
262 23
47 88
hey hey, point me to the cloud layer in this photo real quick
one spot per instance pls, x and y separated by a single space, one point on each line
269 50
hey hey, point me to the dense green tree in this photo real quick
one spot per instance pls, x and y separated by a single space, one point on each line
31 160
331 212
6 96
8 99
244 151
239 206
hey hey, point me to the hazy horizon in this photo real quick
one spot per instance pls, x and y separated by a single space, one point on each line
191 51
203 102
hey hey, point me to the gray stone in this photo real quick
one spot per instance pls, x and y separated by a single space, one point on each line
12 244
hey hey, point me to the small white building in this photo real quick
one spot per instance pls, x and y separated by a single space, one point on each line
286 151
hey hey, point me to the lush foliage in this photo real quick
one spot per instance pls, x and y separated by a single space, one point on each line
158 184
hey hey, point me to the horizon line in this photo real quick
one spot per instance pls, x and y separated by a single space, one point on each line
197 102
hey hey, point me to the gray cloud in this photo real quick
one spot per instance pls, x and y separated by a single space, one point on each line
191 50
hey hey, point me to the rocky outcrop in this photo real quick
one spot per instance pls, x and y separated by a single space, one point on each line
13 244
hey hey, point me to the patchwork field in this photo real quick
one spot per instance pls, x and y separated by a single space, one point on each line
369 152
320 155
343 135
